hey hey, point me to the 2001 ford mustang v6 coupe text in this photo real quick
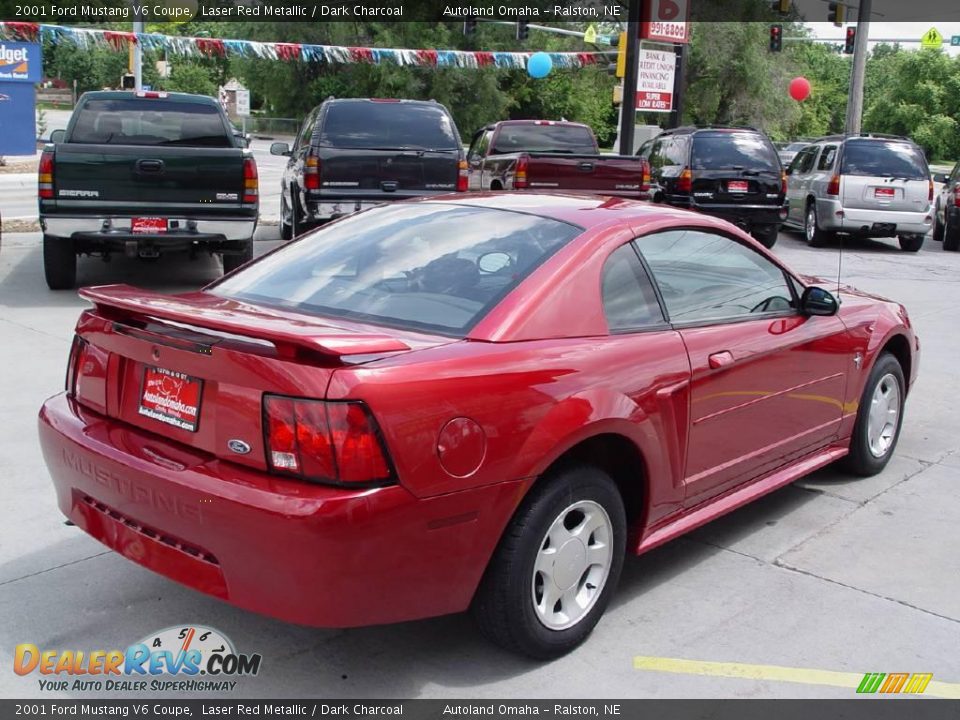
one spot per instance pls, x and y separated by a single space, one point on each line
476 402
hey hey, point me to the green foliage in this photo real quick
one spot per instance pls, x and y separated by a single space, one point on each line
189 77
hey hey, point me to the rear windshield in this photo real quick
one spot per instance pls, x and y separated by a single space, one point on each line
427 266
731 150
150 121
884 159
388 126
573 139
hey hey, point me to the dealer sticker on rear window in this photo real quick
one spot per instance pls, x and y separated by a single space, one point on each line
171 397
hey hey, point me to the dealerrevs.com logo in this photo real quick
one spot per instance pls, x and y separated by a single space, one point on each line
178 659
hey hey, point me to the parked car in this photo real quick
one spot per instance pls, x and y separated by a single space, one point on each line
732 173
533 155
789 151
946 212
862 185
145 174
473 401
354 153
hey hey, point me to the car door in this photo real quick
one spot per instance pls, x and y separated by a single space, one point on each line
799 182
945 198
292 181
767 382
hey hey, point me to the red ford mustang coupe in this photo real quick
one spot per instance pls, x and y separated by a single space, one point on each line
479 402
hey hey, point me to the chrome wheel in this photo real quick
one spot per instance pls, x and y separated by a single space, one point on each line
572 565
884 417
810 226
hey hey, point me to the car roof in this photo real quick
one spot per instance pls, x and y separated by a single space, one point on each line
584 210
691 129
406 101
179 97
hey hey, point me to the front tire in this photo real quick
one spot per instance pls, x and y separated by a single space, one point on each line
879 418
814 236
766 235
59 262
937 225
951 234
911 243
556 567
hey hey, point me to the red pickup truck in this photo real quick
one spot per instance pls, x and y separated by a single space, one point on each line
550 155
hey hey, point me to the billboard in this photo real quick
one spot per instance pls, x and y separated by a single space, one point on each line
20 67
655 75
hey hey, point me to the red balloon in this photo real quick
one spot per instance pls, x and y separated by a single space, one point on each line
799 88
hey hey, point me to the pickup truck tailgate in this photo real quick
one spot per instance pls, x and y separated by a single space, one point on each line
600 174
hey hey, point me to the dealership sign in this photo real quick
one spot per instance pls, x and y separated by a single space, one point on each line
655 74
20 67
665 21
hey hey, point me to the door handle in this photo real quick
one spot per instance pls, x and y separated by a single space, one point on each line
150 166
720 360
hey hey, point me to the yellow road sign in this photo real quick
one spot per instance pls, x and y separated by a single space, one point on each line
590 36
931 39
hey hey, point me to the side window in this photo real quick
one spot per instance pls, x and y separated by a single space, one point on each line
629 301
704 276
306 132
954 174
827 157
806 162
676 151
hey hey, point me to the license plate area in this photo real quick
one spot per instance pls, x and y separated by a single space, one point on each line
887 229
171 397
882 193
737 186
148 225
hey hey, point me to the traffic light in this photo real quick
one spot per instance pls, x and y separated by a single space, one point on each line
776 38
835 15
851 40
620 68
470 25
523 29
782 6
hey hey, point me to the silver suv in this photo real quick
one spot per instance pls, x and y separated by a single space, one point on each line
863 185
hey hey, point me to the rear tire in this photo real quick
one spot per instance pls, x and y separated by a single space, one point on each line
879 418
911 243
951 235
286 229
937 225
556 566
232 262
814 236
766 235
59 262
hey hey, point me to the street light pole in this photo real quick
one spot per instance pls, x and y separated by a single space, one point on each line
628 105
137 58
855 103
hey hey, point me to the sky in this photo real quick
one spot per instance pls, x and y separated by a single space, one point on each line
894 30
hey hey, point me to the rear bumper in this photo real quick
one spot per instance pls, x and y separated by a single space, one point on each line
746 216
329 205
833 216
108 230
303 553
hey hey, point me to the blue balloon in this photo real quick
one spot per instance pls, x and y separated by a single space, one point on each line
539 65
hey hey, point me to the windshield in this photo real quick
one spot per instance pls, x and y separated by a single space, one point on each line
429 266
884 159
372 125
572 139
731 150
150 121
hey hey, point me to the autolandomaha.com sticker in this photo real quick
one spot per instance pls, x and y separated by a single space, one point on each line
177 659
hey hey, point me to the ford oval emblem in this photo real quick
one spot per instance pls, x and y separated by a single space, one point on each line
238 446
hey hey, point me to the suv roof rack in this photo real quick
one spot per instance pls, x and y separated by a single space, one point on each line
847 136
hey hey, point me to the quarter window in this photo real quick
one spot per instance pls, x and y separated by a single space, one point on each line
827 156
629 301
703 276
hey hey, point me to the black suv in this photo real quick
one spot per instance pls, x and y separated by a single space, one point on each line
731 172
355 153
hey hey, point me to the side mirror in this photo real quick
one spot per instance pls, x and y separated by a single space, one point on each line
279 148
938 177
57 136
817 301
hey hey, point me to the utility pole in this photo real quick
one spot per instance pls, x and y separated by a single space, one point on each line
855 103
137 58
628 107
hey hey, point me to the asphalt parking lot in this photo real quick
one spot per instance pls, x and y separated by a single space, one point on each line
830 575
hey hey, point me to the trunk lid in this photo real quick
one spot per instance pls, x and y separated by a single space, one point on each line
884 175
735 167
388 170
194 367
599 174
737 186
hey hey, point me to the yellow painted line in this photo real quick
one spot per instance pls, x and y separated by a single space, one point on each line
777 673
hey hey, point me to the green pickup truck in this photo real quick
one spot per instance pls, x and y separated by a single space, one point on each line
145 173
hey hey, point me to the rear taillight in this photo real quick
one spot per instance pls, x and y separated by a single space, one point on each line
783 183
332 442
520 174
45 176
251 183
70 383
685 181
833 187
462 178
151 94
644 174
956 197
930 190
311 173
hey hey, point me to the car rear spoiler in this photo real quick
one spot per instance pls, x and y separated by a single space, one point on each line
204 310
